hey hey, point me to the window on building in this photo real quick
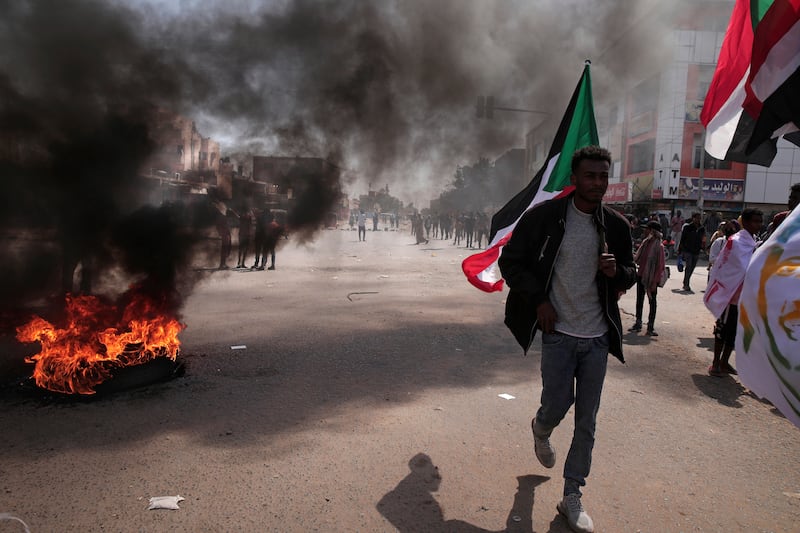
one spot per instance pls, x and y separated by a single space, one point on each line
642 156
709 161
704 75
645 96
612 115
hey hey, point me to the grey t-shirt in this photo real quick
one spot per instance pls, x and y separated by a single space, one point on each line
574 290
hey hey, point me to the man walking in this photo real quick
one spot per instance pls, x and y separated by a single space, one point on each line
691 243
725 286
565 264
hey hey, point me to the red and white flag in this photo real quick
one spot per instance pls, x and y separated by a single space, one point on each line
578 129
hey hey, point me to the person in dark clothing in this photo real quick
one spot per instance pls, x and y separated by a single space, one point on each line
274 232
221 213
691 244
566 263
469 229
246 222
260 240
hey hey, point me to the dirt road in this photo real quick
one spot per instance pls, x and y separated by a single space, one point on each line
367 399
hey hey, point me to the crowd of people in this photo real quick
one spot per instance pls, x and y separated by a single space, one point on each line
470 229
259 232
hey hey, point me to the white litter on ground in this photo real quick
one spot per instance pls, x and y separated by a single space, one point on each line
506 396
165 502
9 516
239 347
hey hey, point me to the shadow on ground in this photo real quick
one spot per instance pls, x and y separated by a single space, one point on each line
725 390
412 507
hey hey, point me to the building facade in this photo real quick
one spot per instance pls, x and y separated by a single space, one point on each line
652 128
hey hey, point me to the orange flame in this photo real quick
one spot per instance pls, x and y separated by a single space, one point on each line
78 357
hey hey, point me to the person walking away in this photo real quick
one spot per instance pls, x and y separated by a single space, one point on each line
691 243
722 296
565 264
675 227
650 261
362 226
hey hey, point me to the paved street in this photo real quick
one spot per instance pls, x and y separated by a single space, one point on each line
367 399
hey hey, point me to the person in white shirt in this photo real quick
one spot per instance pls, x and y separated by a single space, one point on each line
725 286
730 227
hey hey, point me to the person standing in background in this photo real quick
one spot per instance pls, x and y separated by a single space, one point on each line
691 244
650 261
675 227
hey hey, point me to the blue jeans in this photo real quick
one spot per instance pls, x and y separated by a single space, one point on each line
573 371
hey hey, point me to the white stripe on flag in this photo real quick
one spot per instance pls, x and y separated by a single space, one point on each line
541 196
781 62
722 126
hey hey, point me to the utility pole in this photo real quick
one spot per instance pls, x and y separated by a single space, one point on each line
702 167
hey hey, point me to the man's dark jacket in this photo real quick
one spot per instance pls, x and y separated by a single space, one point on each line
528 259
691 238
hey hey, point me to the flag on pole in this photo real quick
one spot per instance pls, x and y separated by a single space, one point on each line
767 354
578 129
752 99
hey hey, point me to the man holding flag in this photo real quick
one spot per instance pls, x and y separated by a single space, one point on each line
528 264
566 263
577 129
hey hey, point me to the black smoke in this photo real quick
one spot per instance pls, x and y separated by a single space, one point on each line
385 90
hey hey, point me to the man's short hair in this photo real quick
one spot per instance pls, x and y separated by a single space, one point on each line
593 153
795 187
749 213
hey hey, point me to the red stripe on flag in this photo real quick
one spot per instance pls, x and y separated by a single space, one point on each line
475 264
734 60
777 21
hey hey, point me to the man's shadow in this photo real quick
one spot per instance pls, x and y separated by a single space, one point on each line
412 508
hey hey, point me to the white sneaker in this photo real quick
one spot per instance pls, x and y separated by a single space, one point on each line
572 509
543 449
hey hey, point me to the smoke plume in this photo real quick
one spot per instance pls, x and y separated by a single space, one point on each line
388 87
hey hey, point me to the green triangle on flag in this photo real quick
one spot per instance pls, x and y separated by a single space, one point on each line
581 130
